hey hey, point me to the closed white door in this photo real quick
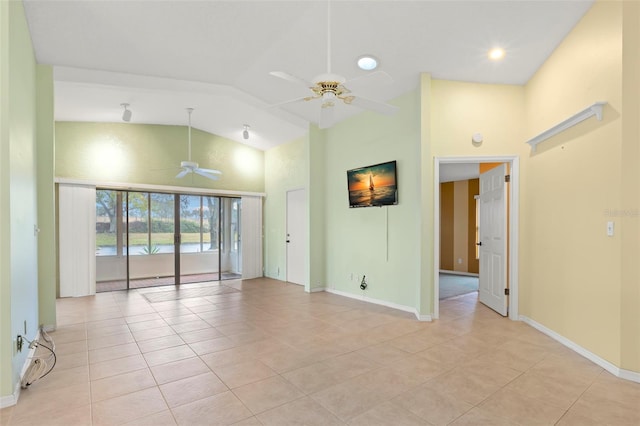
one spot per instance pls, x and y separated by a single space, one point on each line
296 238
493 239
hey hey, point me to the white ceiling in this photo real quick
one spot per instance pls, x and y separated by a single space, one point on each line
215 56
451 172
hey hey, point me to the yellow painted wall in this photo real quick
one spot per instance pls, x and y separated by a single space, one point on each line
497 111
629 222
570 276
573 278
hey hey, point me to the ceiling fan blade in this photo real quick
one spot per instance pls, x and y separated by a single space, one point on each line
165 169
182 174
326 117
290 101
212 171
286 76
365 81
377 106
205 174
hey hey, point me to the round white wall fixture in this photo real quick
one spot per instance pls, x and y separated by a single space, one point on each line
476 138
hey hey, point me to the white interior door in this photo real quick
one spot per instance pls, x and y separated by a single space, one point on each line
493 239
296 236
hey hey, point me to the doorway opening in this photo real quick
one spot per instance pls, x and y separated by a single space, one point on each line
455 284
151 239
509 221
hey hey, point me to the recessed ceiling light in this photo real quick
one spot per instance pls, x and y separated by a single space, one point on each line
496 53
367 63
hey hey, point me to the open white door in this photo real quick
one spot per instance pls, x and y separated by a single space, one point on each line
296 236
493 239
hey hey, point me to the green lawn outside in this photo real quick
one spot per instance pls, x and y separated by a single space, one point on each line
140 239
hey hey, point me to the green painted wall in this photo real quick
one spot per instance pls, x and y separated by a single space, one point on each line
317 209
47 244
6 380
151 154
424 292
341 241
285 169
382 243
19 276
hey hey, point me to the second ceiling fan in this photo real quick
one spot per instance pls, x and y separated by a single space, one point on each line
189 166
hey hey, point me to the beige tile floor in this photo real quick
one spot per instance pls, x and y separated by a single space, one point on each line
271 354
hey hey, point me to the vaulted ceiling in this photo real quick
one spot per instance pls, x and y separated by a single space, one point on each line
215 56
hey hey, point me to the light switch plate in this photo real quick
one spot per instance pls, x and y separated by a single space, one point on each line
610 229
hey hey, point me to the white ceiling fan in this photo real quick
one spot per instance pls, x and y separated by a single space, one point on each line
330 87
191 166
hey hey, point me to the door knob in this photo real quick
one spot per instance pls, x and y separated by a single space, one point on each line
479 244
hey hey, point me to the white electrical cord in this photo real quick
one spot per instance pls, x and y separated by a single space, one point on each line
39 366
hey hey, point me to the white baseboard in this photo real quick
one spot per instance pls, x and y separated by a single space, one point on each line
427 318
9 400
317 289
380 302
466 274
633 376
49 327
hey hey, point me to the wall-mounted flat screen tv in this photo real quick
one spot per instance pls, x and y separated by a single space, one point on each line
373 186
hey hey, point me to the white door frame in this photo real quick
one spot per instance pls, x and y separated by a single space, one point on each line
514 208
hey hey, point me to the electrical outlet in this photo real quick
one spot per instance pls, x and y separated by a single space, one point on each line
363 283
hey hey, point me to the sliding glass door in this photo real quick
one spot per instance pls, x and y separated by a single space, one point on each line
199 228
150 231
111 240
148 239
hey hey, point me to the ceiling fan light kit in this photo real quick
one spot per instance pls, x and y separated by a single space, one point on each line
330 86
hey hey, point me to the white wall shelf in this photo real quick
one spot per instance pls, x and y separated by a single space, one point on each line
595 109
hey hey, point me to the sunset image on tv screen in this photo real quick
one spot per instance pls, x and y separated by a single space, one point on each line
373 185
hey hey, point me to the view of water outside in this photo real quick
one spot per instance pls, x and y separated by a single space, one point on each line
143 250
197 213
